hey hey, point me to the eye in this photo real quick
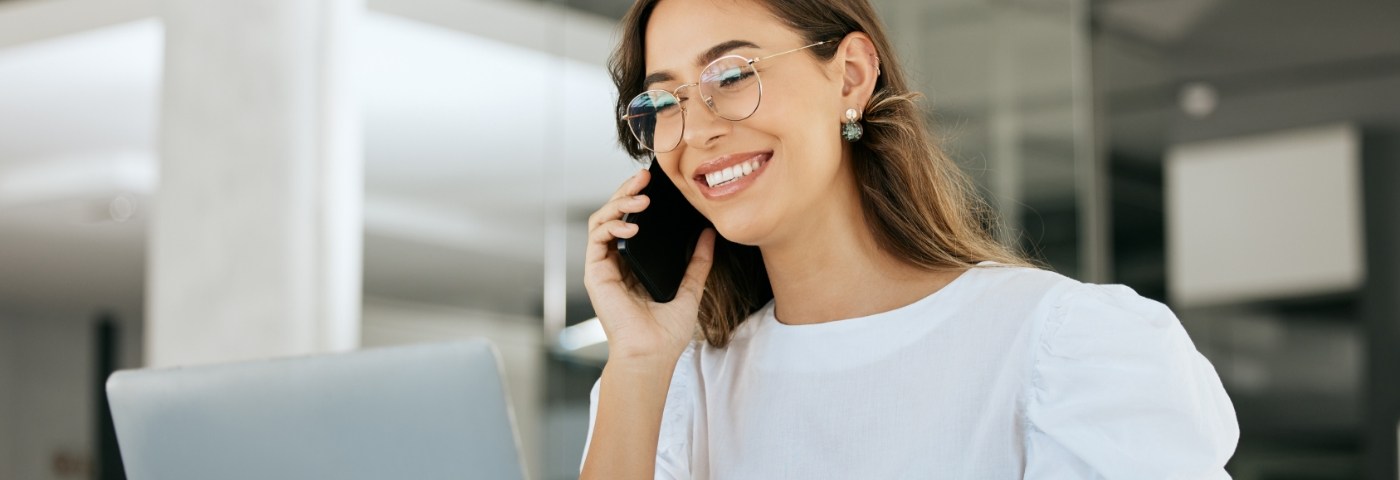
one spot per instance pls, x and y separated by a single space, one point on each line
733 76
666 104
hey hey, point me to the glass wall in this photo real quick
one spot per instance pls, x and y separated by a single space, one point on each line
1008 92
1204 87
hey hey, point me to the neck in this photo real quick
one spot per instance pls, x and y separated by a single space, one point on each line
829 267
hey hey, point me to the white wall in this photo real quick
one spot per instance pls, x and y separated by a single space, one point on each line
395 322
1264 217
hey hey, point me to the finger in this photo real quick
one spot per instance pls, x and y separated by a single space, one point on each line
600 238
632 185
700 263
616 207
630 188
612 230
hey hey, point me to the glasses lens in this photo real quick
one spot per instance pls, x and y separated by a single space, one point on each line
731 87
655 119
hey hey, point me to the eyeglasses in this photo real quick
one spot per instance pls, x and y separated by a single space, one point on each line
729 86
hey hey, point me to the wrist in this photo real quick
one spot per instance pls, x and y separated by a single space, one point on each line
642 364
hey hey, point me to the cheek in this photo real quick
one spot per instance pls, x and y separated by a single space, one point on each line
808 132
787 109
801 112
668 164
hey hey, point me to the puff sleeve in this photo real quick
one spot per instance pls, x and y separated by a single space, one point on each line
677 420
1119 391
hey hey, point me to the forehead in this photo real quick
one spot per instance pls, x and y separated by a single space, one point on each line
679 30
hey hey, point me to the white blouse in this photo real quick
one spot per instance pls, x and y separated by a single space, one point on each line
1006 372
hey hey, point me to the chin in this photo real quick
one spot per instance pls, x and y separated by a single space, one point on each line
744 230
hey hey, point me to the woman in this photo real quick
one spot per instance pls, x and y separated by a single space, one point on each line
855 320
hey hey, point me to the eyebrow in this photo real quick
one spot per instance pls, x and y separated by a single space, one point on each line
703 59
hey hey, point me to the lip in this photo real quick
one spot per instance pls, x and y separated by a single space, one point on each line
726 161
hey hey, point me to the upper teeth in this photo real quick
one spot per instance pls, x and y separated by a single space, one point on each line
732 173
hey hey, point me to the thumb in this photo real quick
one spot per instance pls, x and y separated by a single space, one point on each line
700 263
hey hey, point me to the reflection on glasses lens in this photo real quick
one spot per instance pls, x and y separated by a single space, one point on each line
730 84
655 115
730 88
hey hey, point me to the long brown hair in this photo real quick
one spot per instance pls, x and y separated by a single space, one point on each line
921 207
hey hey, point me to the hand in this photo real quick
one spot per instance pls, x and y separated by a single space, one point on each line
637 327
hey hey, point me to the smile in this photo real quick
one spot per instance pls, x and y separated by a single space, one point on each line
729 174
735 172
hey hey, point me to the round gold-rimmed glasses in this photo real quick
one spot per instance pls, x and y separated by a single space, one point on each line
729 86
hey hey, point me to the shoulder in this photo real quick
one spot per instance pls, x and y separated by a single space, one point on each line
1055 301
1118 387
1109 319
1090 332
1030 292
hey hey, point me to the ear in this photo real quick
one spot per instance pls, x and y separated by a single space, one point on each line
860 68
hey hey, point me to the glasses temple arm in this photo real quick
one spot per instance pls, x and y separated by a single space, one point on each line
756 60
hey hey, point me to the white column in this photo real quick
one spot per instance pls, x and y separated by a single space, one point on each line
1092 182
1007 179
256 229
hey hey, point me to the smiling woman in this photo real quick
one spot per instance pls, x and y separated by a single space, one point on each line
851 315
915 202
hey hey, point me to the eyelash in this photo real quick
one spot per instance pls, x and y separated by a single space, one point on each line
755 69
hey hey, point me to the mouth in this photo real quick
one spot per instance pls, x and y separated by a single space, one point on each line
731 173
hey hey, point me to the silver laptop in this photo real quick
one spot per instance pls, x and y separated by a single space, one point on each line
416 412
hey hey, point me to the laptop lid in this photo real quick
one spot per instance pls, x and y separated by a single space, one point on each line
422 411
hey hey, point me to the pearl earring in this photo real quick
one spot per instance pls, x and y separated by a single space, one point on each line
851 129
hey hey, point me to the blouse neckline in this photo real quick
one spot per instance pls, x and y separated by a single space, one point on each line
770 319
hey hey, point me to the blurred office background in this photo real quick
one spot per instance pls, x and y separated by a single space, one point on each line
194 181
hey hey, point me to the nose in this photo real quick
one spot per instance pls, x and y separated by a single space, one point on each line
703 127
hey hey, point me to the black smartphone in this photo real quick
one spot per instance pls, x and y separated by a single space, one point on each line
666 234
